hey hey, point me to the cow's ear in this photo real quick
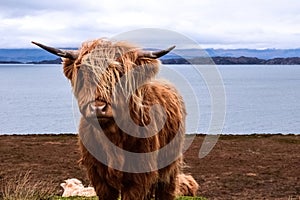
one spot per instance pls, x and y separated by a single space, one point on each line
149 61
68 67
147 67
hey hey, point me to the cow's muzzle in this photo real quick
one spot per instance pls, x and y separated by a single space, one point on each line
100 109
97 110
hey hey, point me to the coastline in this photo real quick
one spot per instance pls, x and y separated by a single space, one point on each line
238 167
214 60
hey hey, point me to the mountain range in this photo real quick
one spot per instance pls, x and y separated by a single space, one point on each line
220 56
235 53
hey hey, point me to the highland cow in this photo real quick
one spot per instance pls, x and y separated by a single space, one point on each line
132 127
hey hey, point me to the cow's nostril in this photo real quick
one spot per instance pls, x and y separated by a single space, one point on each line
101 108
98 108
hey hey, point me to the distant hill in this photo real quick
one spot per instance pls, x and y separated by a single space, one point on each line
220 56
255 53
261 54
25 55
219 60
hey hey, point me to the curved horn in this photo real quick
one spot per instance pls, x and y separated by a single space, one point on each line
62 53
155 54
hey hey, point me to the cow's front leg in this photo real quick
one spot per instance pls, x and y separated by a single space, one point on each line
166 190
103 190
135 192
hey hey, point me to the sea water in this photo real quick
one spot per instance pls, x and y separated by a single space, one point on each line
37 99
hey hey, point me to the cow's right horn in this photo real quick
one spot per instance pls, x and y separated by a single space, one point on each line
155 54
62 53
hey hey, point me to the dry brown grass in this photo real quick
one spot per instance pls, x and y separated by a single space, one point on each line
21 187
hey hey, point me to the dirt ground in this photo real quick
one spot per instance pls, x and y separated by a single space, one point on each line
238 167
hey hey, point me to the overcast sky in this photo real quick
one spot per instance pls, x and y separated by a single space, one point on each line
212 23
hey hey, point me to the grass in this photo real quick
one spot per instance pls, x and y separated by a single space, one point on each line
21 188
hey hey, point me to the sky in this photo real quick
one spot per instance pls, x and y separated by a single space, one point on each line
227 24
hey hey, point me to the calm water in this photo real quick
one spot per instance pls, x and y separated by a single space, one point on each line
259 99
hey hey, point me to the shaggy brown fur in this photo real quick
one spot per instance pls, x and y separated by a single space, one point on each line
101 66
186 185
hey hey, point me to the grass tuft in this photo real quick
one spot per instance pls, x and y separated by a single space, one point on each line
22 188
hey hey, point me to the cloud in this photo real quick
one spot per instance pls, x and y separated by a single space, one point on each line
213 23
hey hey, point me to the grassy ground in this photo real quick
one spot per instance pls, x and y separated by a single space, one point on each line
21 187
239 166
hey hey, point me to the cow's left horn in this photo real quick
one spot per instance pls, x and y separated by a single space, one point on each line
155 54
62 53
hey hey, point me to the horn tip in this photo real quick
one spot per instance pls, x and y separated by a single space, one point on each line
36 43
172 47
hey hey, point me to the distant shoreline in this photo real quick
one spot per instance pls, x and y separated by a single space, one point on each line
242 60
218 60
